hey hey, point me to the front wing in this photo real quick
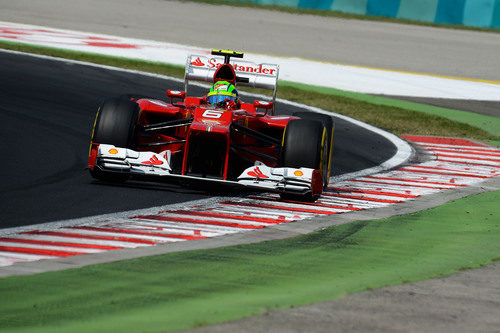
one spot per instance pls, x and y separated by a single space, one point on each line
300 181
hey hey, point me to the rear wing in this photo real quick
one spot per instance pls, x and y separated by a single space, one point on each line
202 68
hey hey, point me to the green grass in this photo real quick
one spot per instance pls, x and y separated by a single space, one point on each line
412 119
494 142
430 120
188 289
392 115
336 14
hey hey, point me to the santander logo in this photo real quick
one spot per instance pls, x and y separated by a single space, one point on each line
254 69
198 62
246 67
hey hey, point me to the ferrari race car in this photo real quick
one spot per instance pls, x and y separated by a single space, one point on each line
237 143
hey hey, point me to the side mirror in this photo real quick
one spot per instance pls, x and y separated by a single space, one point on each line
176 94
263 105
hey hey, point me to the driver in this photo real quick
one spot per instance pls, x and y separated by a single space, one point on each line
223 94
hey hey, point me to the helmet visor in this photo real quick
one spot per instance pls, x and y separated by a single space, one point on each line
215 99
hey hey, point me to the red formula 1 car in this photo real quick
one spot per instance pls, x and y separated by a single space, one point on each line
234 142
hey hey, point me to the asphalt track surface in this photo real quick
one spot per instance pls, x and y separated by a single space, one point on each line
410 48
46 117
404 47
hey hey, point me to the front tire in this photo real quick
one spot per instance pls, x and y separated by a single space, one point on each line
304 146
115 124
330 128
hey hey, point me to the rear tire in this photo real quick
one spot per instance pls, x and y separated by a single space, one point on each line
303 146
330 127
115 124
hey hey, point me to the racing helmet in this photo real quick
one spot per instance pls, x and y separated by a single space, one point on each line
222 91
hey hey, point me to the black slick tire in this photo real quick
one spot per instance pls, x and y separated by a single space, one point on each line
329 125
303 146
115 124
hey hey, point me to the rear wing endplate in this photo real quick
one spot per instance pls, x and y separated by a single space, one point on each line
250 74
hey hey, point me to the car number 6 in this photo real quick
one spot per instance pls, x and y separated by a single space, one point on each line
212 114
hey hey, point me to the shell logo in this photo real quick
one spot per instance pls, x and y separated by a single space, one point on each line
298 173
113 151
